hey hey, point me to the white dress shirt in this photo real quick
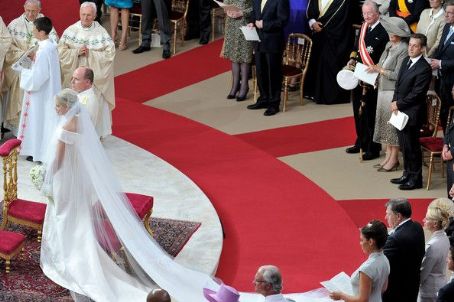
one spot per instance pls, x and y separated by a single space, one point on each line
275 298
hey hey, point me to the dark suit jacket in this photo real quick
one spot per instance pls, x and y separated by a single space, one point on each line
449 137
375 40
445 53
446 293
275 16
405 249
411 90
415 8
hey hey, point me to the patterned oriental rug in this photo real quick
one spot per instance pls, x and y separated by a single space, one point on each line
26 281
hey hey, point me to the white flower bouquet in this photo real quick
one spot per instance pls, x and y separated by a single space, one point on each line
37 174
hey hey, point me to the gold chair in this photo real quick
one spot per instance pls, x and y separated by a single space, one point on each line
11 244
432 145
295 63
178 19
15 210
216 13
143 205
135 12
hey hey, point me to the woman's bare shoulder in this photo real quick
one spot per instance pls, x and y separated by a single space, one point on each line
71 125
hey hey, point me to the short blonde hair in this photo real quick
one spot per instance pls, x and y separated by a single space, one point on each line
440 210
66 97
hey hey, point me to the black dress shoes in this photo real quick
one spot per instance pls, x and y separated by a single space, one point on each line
241 98
370 156
411 185
166 54
352 149
400 180
257 105
141 49
29 158
231 96
271 111
204 39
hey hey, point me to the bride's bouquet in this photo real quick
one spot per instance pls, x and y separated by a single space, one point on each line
37 174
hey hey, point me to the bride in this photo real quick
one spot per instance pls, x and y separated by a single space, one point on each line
88 218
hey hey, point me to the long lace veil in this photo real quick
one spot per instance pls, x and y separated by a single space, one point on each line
113 218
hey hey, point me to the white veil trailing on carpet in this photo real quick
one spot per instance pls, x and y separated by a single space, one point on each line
88 216
91 190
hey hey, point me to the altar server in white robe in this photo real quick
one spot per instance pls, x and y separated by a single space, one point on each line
94 102
22 39
87 43
40 84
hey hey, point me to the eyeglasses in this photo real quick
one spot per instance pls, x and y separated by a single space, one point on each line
369 14
258 281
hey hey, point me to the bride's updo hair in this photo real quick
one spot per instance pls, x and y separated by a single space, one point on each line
67 97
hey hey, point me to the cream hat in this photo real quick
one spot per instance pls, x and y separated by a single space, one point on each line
395 26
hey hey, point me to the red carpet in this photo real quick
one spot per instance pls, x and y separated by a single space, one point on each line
62 13
303 138
364 210
270 212
166 76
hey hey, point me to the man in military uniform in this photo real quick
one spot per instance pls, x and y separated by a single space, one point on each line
371 43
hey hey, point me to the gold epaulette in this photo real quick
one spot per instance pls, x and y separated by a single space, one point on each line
353 55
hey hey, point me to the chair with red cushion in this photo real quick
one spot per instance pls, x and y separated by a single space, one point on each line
143 205
295 63
177 17
11 245
16 210
432 145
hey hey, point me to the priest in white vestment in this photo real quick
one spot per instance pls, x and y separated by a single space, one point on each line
5 42
41 83
94 102
22 40
87 43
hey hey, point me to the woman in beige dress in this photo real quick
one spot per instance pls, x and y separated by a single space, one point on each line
431 23
388 69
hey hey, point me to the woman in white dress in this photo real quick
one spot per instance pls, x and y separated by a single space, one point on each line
370 280
434 265
88 218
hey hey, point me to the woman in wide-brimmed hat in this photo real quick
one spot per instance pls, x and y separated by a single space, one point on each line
225 293
388 69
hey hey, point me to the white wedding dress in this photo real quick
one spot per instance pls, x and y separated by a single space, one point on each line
70 252
85 199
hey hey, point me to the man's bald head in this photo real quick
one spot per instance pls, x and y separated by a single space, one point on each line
158 295
82 79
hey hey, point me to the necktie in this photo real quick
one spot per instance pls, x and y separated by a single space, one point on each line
409 64
449 34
